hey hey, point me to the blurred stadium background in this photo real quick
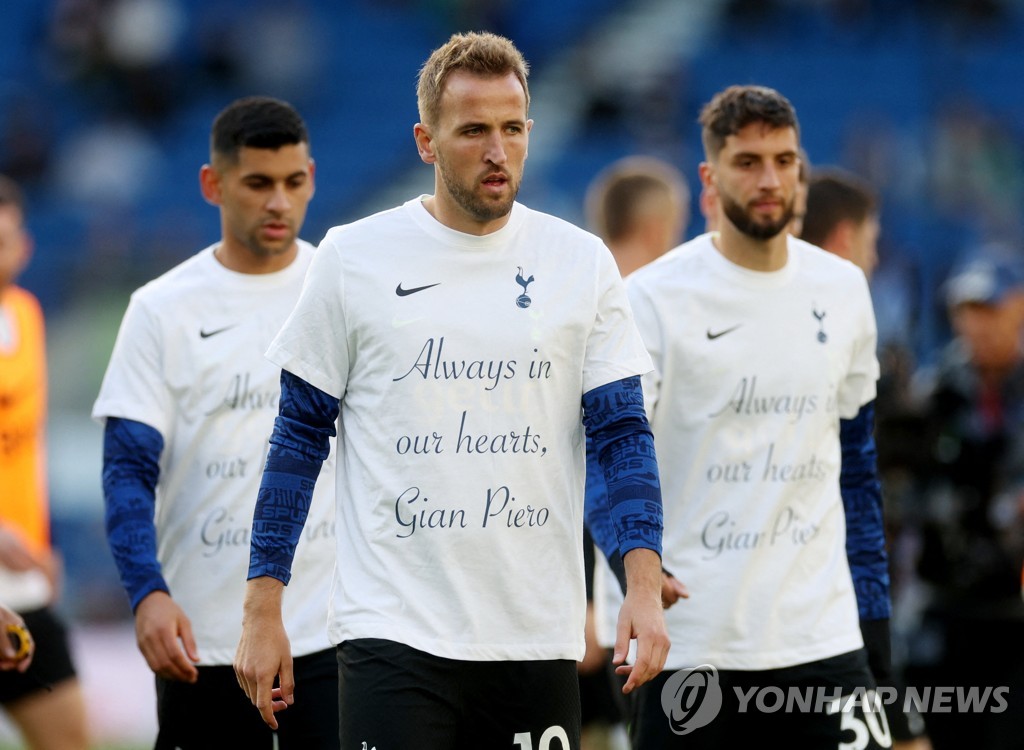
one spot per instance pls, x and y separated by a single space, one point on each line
105 108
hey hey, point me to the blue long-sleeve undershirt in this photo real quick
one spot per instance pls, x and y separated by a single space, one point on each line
865 522
131 468
623 508
299 444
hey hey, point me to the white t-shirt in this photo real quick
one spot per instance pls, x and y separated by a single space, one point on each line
189 361
752 373
461 362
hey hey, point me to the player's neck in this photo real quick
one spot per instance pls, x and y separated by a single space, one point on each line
748 252
450 214
632 254
238 258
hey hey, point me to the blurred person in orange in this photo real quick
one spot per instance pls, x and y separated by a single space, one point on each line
45 700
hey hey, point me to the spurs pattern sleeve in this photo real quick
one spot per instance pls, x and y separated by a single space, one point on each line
623 504
299 445
131 467
865 523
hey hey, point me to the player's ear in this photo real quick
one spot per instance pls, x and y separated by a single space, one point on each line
209 184
424 143
706 172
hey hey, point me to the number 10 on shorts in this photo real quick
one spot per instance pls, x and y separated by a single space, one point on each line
525 739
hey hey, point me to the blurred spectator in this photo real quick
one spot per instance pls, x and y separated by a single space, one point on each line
274 48
114 162
970 494
123 51
74 37
978 167
140 46
26 138
218 64
888 153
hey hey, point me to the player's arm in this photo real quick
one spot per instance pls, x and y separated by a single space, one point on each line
597 515
616 422
299 444
865 535
131 468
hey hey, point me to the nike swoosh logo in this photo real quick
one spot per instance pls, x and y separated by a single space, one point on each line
717 334
405 292
206 334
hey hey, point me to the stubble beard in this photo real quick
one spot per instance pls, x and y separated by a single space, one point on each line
480 209
745 222
261 249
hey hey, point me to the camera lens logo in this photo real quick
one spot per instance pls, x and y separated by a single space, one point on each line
691 698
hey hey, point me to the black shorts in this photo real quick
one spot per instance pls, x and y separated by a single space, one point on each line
51 663
394 696
823 705
215 713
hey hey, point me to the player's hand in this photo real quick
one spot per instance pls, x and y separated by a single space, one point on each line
264 652
642 617
164 634
15 653
672 589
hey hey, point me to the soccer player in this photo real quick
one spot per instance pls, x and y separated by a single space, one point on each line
639 205
842 217
467 343
188 402
761 405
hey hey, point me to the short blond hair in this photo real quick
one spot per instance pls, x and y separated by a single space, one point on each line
479 53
